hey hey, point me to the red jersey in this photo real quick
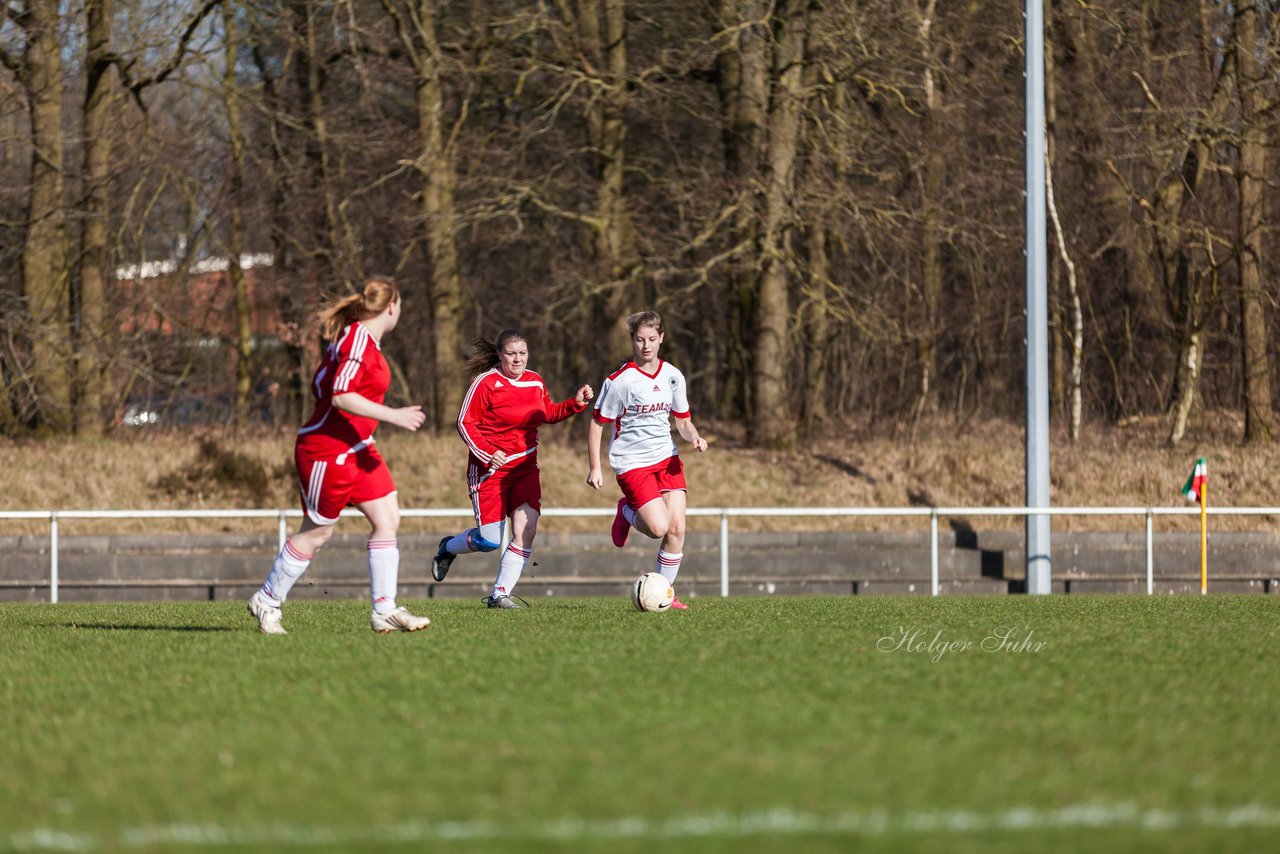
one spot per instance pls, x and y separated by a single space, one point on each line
502 414
353 363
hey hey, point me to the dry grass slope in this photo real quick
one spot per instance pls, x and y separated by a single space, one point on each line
949 463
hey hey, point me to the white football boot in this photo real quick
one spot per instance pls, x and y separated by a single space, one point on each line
399 620
270 620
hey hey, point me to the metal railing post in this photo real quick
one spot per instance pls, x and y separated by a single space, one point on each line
724 554
53 558
933 551
282 533
1151 575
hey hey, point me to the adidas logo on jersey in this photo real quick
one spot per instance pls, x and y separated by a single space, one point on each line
656 388
497 383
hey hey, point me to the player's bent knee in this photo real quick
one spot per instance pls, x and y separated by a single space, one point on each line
478 543
309 542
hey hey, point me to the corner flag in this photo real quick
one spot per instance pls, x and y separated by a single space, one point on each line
1194 489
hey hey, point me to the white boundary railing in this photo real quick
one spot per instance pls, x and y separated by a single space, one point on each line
724 513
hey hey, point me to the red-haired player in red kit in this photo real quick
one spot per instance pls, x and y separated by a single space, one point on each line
337 462
499 420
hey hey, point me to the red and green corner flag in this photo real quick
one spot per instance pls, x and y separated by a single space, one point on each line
1194 490
1197 486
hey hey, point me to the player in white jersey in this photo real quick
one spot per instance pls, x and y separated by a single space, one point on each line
639 399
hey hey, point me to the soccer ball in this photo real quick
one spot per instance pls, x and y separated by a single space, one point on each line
652 592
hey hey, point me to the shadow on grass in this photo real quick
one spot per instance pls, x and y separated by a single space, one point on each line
127 627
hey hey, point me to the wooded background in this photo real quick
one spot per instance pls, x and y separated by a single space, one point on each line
824 199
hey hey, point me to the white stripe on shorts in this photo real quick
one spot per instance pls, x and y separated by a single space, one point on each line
312 493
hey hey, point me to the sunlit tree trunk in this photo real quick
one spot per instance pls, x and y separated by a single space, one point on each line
1186 380
773 423
335 256
290 226
817 322
1259 422
438 213
931 177
91 339
44 254
1074 312
416 26
1184 256
742 82
617 261
235 217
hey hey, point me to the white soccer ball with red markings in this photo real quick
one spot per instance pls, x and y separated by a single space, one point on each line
652 592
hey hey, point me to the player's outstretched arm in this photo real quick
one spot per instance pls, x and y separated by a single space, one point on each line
408 417
594 432
684 426
557 412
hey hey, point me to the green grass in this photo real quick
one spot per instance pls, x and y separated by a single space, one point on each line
740 725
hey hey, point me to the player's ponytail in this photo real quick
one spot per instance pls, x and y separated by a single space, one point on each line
378 293
483 353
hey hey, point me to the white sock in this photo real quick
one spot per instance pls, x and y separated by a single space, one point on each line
629 515
509 569
384 567
285 570
669 565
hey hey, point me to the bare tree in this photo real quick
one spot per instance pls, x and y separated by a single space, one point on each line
1075 311
235 214
416 25
772 423
602 34
1251 172
824 198
45 261
930 175
742 82
761 77
1183 242
91 333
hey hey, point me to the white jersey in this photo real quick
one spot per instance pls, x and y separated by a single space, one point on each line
639 406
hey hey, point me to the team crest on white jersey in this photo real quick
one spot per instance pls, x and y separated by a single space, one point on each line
640 408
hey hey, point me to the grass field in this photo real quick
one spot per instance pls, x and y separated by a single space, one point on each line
1106 723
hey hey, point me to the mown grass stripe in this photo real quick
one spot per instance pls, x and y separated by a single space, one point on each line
780 822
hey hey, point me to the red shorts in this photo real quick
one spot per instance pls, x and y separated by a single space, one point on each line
494 495
328 487
642 485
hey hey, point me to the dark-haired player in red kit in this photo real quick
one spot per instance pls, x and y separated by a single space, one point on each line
501 413
337 462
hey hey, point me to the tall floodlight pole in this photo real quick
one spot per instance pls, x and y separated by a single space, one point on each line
1038 563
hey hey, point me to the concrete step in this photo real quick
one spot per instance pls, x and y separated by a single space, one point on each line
231 566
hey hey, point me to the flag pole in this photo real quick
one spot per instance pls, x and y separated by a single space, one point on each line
1204 537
